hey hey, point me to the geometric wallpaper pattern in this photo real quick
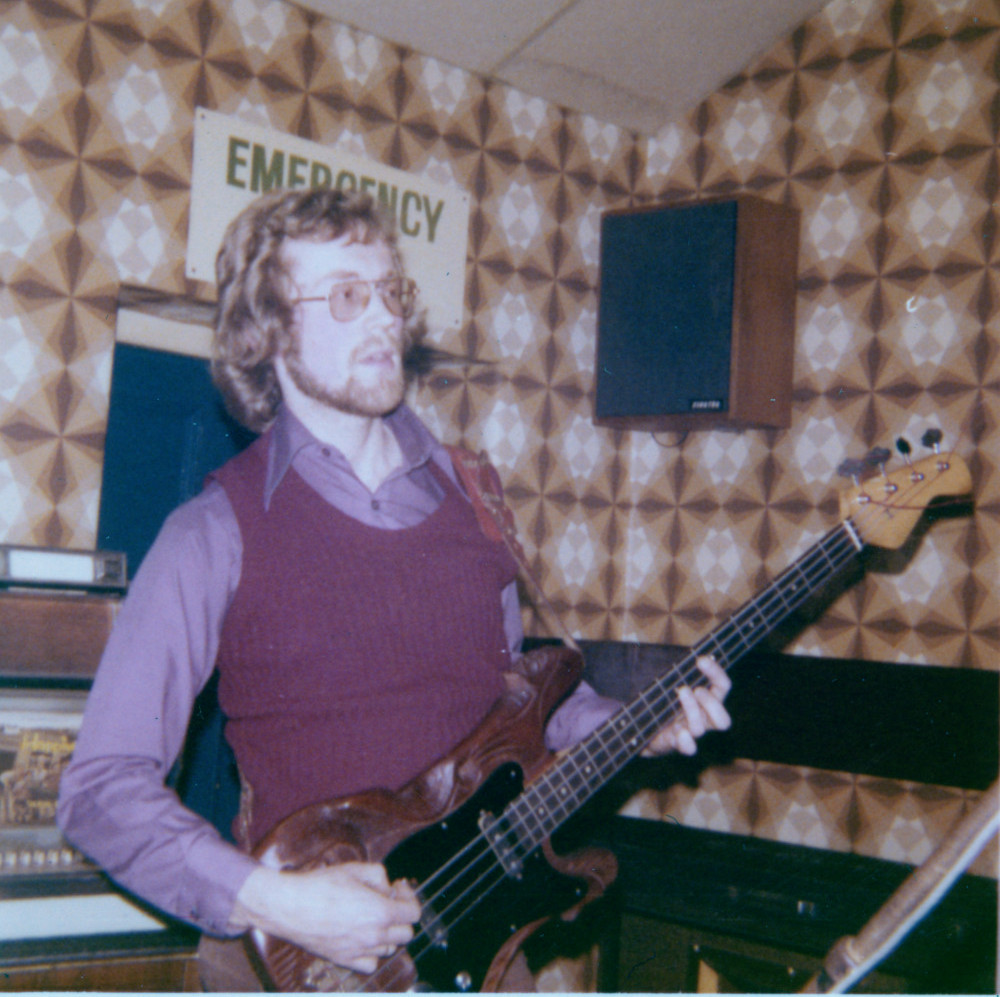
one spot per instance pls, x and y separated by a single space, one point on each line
877 119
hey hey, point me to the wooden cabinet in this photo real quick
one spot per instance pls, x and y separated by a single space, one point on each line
104 964
63 925
53 635
75 931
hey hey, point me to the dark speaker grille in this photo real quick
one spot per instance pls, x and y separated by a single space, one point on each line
665 313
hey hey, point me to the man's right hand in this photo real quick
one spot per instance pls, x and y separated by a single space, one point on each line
350 914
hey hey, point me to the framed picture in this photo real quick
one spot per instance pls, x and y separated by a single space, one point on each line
38 731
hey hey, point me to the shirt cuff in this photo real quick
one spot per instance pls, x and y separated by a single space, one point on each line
221 870
579 715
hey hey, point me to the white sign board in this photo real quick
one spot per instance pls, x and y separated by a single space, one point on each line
235 162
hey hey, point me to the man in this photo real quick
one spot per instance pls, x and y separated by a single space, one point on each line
335 574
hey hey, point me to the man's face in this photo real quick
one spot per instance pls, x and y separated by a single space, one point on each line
354 366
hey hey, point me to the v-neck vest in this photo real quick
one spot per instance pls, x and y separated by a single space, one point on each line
352 657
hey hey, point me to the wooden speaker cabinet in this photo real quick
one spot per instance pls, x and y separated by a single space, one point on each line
696 318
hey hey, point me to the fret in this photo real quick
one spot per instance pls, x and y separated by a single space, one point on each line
751 625
564 804
573 776
542 808
601 755
787 591
627 730
551 798
743 634
711 645
826 554
523 824
652 712
659 700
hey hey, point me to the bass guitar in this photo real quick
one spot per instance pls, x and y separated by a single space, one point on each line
471 834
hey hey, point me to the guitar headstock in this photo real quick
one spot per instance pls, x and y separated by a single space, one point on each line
884 506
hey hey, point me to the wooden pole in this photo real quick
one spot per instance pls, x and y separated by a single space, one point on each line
852 957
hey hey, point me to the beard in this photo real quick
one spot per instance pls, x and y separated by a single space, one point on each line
352 397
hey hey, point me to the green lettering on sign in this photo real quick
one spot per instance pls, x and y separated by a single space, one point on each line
262 176
320 175
234 160
388 195
433 216
405 226
295 178
262 169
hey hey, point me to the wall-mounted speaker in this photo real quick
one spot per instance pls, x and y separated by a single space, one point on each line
696 316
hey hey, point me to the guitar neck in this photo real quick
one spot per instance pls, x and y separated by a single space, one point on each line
567 784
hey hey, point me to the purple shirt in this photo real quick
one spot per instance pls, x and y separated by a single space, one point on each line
113 803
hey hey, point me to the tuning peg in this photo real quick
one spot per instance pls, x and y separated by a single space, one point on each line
903 446
877 457
932 438
852 468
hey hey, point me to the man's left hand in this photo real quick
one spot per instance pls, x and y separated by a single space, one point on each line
703 710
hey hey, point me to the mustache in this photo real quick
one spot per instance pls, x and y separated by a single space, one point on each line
376 346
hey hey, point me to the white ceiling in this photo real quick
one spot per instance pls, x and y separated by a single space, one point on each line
639 64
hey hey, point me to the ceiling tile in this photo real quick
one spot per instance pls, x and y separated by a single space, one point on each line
473 34
639 64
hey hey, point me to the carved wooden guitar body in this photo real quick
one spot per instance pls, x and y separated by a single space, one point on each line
461 943
472 833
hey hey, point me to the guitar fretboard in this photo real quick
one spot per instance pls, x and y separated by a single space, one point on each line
531 818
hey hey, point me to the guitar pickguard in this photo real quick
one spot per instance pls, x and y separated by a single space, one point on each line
471 904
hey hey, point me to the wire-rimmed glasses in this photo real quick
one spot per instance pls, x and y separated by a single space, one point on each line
349 298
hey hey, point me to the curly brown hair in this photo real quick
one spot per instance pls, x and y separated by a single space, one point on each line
254 321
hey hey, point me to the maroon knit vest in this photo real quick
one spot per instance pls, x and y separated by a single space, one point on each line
352 657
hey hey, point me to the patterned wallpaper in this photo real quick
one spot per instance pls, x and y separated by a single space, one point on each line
878 119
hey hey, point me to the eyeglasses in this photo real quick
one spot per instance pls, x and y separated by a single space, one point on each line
349 298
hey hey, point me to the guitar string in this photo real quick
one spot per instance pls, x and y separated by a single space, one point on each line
423 938
835 555
873 509
832 551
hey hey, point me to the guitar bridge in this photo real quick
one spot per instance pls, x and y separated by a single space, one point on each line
504 843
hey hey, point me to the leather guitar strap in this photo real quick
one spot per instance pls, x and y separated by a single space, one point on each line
482 484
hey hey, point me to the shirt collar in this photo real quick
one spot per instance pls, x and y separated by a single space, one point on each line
289 437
